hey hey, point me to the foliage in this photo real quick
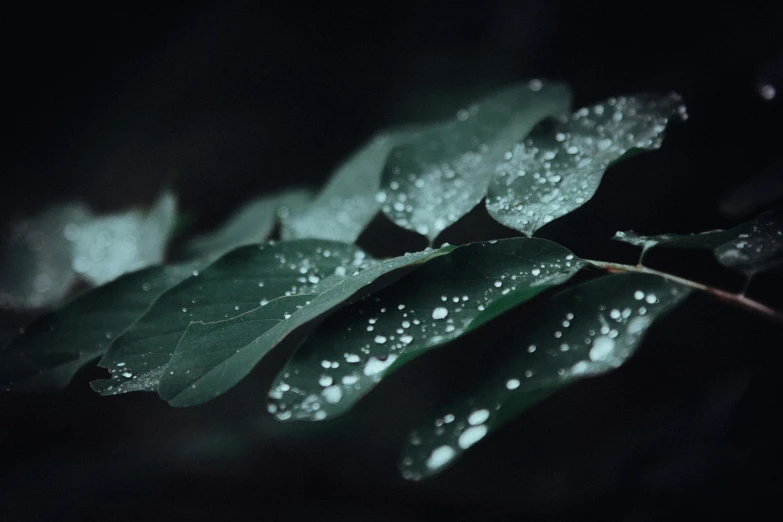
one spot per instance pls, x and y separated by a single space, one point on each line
190 331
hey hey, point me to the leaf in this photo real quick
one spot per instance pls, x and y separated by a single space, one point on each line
350 199
435 304
433 180
292 204
50 351
559 166
583 331
749 248
238 282
211 358
37 268
251 224
45 255
106 247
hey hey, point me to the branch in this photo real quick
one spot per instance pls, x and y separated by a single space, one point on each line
735 299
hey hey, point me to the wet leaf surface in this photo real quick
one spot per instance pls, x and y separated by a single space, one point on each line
352 351
559 166
432 181
585 330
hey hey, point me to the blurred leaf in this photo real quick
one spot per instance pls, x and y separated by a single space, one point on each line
433 180
437 303
106 247
350 199
45 255
50 351
585 330
749 248
559 166
292 204
37 268
237 282
211 358
251 224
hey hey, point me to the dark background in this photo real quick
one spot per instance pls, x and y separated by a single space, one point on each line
234 99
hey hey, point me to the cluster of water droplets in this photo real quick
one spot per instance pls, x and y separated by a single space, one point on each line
578 336
432 199
758 247
421 311
560 165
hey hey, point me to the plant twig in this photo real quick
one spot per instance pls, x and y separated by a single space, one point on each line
740 299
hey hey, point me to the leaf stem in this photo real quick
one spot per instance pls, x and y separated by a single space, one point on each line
740 299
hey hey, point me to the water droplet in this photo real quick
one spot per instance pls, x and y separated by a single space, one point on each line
638 295
375 365
651 298
439 313
602 348
512 384
471 436
440 457
325 380
535 272
380 339
478 417
332 394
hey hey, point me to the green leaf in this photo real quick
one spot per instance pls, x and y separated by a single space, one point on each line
234 284
106 247
49 351
585 330
251 224
37 268
559 166
211 358
350 199
433 180
749 248
435 304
